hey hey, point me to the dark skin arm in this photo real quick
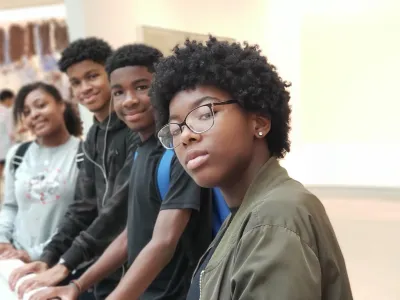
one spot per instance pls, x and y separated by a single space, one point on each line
169 228
114 256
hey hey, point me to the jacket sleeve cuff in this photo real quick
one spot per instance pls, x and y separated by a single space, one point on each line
49 258
73 257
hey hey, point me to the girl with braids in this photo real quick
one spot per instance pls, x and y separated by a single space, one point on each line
40 176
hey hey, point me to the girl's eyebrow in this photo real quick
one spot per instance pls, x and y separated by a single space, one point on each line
195 104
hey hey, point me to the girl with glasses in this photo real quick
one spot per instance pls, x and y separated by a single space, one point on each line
225 111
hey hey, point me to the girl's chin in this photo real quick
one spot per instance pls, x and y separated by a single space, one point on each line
203 179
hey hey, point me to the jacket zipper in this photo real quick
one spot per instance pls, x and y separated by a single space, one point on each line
206 253
200 262
104 159
200 281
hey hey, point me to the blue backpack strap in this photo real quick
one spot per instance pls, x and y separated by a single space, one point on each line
220 211
164 172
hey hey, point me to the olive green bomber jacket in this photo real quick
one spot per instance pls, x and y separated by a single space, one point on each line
280 245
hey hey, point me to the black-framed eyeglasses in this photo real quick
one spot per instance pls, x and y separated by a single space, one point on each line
198 120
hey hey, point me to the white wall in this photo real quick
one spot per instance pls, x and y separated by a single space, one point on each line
11 4
350 129
32 13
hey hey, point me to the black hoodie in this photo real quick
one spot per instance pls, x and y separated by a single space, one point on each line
98 214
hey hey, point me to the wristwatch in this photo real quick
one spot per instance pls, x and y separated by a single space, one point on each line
65 264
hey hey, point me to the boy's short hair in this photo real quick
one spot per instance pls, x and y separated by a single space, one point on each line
91 48
133 55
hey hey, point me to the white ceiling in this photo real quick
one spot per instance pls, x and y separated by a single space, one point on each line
9 4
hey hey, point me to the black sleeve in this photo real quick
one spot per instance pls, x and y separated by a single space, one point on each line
183 192
80 214
95 239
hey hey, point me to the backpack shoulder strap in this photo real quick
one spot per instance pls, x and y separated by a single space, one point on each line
220 210
79 156
19 155
164 173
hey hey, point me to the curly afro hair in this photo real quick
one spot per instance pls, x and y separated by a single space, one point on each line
91 48
133 55
239 70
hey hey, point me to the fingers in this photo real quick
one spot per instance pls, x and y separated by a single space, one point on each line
40 293
18 254
18 274
45 294
4 254
5 247
15 276
61 293
40 267
46 279
8 254
24 256
28 286
22 287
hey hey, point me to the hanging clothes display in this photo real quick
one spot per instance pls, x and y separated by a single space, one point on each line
47 59
2 45
60 35
29 52
16 45
30 40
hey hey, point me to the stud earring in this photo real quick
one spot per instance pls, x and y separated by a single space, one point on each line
260 133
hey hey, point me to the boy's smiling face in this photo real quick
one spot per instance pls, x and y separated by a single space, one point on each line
90 86
130 92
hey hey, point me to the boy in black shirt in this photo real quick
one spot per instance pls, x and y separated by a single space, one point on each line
164 239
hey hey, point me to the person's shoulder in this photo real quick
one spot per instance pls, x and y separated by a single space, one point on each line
12 151
89 137
92 130
150 154
176 166
289 205
290 198
131 137
75 142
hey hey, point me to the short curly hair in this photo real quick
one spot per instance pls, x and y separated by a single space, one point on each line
239 70
133 55
91 48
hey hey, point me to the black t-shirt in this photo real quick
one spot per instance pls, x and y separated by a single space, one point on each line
144 205
194 290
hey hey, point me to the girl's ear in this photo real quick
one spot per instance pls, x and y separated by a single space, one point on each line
261 126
